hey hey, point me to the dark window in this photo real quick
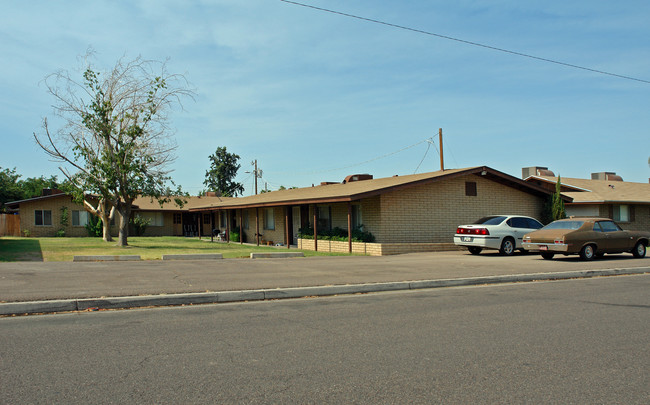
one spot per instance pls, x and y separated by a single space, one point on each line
609 226
206 218
597 227
43 218
496 220
178 219
470 189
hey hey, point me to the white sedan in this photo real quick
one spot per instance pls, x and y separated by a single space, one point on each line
501 232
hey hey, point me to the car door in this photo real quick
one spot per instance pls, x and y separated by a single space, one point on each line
521 226
615 239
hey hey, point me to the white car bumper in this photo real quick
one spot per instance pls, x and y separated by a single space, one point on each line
485 242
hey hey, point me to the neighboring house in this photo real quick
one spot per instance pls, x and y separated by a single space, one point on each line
604 195
410 213
42 216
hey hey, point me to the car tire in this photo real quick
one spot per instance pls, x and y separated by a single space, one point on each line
507 247
548 255
475 250
639 250
588 252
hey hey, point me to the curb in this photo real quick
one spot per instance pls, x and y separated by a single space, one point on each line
51 306
194 256
106 258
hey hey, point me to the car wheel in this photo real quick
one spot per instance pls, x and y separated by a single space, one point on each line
474 250
639 250
548 255
587 252
507 247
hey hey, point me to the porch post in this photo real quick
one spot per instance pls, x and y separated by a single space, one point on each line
349 227
200 217
257 225
315 228
241 227
228 225
211 226
286 225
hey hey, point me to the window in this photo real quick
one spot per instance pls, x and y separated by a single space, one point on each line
470 189
223 221
269 220
178 219
609 226
79 218
43 217
155 218
621 213
324 218
245 218
206 219
357 220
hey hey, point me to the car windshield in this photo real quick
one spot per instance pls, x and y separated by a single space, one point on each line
493 220
564 225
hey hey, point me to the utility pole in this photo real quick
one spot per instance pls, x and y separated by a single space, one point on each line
256 173
442 159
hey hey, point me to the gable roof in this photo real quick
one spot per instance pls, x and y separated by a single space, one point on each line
589 191
356 190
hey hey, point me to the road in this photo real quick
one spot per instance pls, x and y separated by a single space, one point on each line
576 341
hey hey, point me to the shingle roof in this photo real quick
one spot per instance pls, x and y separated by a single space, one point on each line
151 204
356 190
604 191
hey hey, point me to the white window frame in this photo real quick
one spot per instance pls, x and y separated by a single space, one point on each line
621 213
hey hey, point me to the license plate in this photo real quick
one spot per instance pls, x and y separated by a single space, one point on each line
467 238
543 247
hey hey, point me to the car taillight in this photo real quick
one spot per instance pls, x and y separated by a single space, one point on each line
559 240
472 231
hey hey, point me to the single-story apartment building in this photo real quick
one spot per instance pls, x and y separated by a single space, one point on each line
45 215
603 195
411 213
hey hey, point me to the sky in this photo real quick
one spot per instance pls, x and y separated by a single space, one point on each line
315 96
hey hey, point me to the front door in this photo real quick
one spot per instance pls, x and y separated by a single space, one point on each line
295 216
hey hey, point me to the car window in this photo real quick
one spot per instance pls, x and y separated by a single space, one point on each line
518 222
609 226
597 227
534 224
564 225
493 220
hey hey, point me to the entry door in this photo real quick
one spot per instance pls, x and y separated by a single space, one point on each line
295 216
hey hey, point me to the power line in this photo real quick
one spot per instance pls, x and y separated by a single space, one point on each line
468 42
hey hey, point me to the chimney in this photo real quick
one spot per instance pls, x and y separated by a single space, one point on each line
536 171
610 176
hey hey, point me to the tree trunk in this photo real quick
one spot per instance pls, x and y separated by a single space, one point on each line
124 209
102 212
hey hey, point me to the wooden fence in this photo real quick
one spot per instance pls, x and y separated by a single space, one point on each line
9 225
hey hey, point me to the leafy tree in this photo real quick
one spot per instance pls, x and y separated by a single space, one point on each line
9 187
115 135
223 170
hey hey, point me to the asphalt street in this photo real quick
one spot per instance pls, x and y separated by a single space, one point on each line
574 341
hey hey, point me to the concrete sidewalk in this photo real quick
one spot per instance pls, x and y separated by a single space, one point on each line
35 287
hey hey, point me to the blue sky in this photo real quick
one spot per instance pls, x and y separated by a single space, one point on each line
313 95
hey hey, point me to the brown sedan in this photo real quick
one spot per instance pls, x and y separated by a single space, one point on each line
588 237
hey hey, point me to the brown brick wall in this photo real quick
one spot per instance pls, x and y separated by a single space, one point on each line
54 204
431 213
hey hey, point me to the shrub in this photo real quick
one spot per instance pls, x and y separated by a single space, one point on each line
337 234
234 236
140 224
94 226
60 233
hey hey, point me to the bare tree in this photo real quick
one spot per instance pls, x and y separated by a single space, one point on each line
115 136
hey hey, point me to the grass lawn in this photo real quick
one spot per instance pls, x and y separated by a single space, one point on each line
149 248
